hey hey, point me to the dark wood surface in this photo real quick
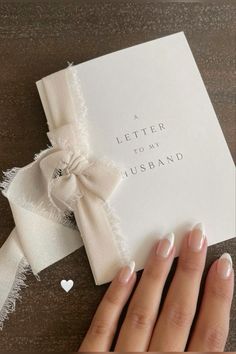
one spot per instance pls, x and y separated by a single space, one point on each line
37 38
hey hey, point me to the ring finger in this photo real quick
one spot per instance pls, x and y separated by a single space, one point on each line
174 323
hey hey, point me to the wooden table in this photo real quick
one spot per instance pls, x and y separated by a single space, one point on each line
37 39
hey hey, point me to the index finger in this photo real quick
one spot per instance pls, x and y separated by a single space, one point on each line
141 316
104 324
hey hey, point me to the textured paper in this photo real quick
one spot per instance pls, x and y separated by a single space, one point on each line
158 84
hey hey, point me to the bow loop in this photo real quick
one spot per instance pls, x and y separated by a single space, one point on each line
101 178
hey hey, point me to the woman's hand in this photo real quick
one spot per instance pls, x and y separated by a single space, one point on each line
144 328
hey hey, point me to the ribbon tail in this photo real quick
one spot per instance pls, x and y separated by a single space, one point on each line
34 244
13 270
99 230
43 240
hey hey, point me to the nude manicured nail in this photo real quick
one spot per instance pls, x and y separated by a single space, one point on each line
126 273
165 245
224 266
197 237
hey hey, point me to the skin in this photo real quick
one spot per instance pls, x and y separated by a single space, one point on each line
145 328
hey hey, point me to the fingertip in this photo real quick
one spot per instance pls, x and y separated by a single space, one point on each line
126 273
165 246
224 266
220 280
194 244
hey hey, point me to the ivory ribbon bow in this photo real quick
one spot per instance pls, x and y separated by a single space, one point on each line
63 183
84 187
69 177
42 195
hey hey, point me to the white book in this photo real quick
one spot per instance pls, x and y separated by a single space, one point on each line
148 110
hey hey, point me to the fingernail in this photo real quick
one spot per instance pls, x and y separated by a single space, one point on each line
224 265
126 273
197 237
165 245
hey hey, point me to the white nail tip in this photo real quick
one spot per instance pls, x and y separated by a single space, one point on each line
200 226
132 266
171 238
228 257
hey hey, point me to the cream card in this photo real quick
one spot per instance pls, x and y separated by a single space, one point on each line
149 111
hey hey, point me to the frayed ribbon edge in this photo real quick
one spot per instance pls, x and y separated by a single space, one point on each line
14 294
24 268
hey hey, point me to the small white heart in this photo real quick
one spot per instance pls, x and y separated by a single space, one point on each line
67 284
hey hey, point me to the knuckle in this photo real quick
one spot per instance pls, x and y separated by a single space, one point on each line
100 327
215 338
139 317
152 272
112 298
179 315
190 265
220 292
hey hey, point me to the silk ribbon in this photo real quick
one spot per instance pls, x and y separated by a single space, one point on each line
63 184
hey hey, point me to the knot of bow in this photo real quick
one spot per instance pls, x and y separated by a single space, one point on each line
69 175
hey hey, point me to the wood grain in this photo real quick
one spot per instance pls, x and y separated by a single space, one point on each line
37 38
